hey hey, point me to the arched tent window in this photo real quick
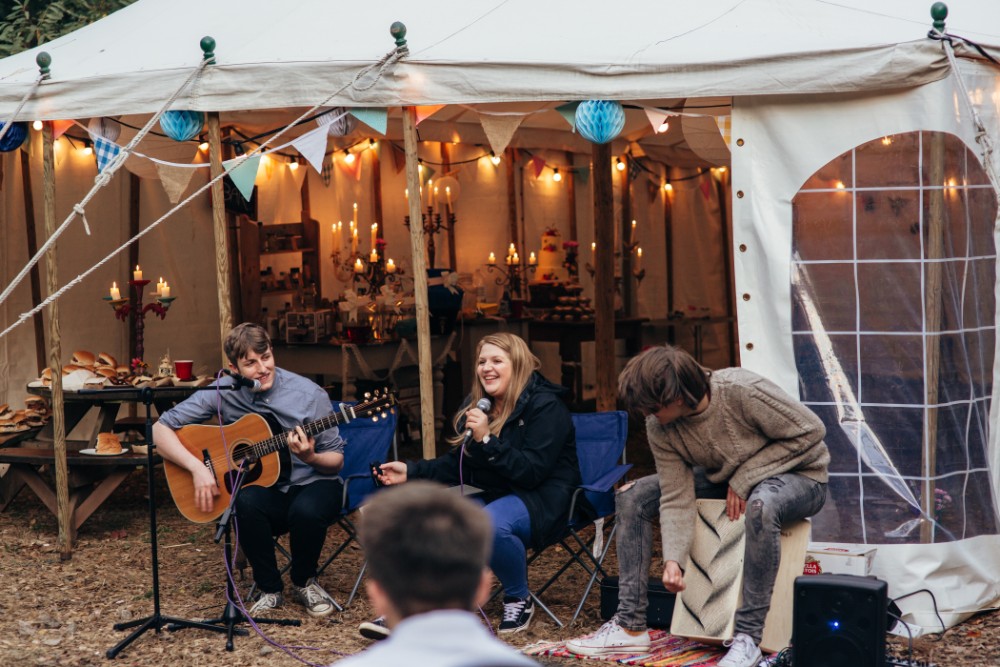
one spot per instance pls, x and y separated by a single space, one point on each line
893 274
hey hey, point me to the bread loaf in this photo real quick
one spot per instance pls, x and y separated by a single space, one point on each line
108 443
83 358
105 359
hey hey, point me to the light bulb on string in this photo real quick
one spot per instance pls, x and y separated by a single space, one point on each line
293 165
348 156
203 146
372 143
494 158
667 187
37 126
556 176
87 149
664 126
619 165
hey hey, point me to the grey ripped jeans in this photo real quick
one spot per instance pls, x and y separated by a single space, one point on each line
773 502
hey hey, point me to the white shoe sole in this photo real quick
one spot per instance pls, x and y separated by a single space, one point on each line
593 651
511 631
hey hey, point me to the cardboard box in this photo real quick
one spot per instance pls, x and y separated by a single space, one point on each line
830 557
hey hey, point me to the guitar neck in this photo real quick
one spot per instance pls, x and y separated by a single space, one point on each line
313 428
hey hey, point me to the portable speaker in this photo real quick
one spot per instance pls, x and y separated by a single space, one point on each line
839 619
661 603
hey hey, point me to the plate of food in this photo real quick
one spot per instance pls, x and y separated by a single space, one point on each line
108 444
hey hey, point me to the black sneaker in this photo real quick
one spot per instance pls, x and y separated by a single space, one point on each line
517 613
375 630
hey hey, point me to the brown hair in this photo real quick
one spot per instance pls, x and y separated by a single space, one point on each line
243 339
660 375
522 364
426 546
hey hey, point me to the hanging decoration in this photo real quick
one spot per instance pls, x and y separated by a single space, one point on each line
15 136
174 180
243 172
312 146
377 119
182 125
338 121
105 151
499 130
600 121
568 111
425 112
108 128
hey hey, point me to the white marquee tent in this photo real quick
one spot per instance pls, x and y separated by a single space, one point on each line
863 216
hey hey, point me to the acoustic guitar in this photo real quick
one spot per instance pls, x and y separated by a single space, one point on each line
247 451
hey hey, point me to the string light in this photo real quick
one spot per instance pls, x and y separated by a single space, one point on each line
667 187
37 126
664 126
293 165
203 146
372 143
494 158
619 164
556 176
348 156
886 141
87 149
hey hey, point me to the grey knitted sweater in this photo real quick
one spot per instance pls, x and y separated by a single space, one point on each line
750 431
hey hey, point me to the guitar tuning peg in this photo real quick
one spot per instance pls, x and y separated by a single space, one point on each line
374 418
368 395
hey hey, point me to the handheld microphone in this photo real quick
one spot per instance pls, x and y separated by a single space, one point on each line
483 404
241 381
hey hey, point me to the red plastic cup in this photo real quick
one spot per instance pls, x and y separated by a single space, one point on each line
184 369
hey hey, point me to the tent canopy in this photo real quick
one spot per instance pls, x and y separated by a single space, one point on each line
277 55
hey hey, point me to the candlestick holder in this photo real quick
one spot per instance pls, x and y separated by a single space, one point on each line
512 276
124 308
434 223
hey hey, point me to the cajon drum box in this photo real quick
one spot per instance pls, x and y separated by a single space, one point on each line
713 579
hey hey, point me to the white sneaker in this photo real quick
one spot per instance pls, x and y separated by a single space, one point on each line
313 598
266 602
743 652
611 638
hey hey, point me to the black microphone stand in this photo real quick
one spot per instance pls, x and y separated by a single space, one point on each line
157 620
232 614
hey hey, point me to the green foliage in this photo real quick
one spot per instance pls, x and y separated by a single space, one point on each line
28 23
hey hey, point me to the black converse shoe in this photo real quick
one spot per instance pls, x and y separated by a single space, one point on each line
517 613
375 630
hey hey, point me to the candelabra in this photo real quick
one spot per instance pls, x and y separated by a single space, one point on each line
434 223
627 248
511 277
372 272
124 308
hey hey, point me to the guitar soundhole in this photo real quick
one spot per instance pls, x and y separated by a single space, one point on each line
252 467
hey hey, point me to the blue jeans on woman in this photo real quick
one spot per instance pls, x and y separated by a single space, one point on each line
775 501
511 532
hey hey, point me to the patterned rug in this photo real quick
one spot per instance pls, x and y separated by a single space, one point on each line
666 650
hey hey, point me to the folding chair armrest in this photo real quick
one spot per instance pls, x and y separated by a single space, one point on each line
347 485
604 483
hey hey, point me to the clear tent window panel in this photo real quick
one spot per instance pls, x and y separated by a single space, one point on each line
893 323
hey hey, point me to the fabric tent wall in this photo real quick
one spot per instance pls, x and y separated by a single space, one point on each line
784 142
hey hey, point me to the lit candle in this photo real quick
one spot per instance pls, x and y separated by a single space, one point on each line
638 257
390 266
406 193
374 234
492 260
631 238
430 193
358 266
374 256
137 274
354 239
160 284
515 259
532 260
593 247
435 195
511 250
355 214
447 195
165 290
116 293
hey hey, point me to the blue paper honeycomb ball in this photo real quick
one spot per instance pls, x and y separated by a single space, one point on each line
600 121
15 136
182 125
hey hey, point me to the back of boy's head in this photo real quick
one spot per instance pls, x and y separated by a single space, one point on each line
660 375
426 546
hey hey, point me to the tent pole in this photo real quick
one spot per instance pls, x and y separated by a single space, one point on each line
510 163
133 260
727 262
427 407
36 281
604 278
570 181
445 168
377 190
55 349
668 241
219 220
932 338
629 297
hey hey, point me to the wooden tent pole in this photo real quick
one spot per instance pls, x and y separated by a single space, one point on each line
570 180
721 192
219 226
452 253
55 348
668 242
510 164
133 260
604 278
625 247
377 190
932 337
36 281
427 407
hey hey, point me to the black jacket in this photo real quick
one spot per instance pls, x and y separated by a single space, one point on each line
534 458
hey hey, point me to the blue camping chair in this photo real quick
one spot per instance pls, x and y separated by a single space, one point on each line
366 441
600 444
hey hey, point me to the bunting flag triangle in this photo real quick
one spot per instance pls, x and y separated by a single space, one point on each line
706 187
568 111
59 127
537 165
652 191
243 171
312 146
105 151
657 119
582 175
425 112
724 129
426 174
499 130
174 180
398 157
373 117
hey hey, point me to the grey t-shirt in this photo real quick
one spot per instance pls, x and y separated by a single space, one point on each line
292 400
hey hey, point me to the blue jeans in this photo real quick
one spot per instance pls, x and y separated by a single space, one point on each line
776 500
511 532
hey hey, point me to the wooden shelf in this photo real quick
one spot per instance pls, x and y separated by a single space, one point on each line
287 252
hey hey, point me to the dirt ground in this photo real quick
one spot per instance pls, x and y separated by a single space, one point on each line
55 612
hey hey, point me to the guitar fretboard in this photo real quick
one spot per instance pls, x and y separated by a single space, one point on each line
274 443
